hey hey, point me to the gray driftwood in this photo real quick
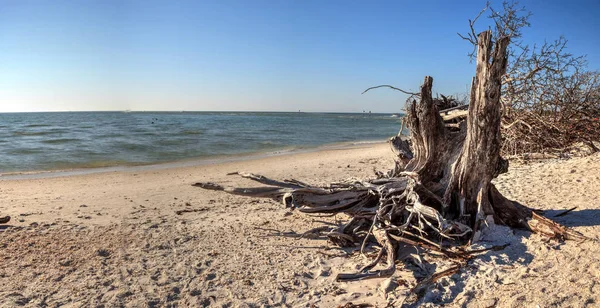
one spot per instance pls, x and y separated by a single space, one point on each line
439 195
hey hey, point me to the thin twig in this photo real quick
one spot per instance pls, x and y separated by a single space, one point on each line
565 212
391 87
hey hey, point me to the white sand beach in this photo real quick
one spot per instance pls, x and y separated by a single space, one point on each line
147 238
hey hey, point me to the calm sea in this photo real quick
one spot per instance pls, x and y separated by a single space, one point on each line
72 140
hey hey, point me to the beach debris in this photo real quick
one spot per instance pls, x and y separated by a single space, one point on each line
180 212
351 305
4 220
551 229
422 285
29 214
105 253
439 195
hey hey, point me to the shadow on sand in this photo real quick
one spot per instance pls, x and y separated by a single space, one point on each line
576 218
446 290
515 253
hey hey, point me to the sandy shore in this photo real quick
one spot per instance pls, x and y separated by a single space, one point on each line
147 238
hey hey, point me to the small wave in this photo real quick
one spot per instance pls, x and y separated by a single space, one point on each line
111 136
134 147
269 142
37 125
142 133
25 151
276 132
28 133
60 141
193 132
284 150
265 145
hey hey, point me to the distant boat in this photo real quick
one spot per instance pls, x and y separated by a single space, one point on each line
396 115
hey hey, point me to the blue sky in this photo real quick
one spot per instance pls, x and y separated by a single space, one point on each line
249 55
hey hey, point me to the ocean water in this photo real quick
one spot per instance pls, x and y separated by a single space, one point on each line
72 140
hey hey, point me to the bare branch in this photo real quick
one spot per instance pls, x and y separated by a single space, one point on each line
471 37
391 87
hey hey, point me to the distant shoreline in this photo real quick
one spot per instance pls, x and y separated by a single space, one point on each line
190 162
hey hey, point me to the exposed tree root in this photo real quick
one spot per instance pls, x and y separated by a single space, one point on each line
392 211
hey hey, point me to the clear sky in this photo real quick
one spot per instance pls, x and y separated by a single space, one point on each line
251 55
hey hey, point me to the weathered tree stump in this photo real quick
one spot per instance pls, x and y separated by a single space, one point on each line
439 195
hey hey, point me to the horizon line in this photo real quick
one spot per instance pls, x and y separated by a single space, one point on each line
183 111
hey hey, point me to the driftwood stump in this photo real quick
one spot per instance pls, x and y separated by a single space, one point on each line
439 195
